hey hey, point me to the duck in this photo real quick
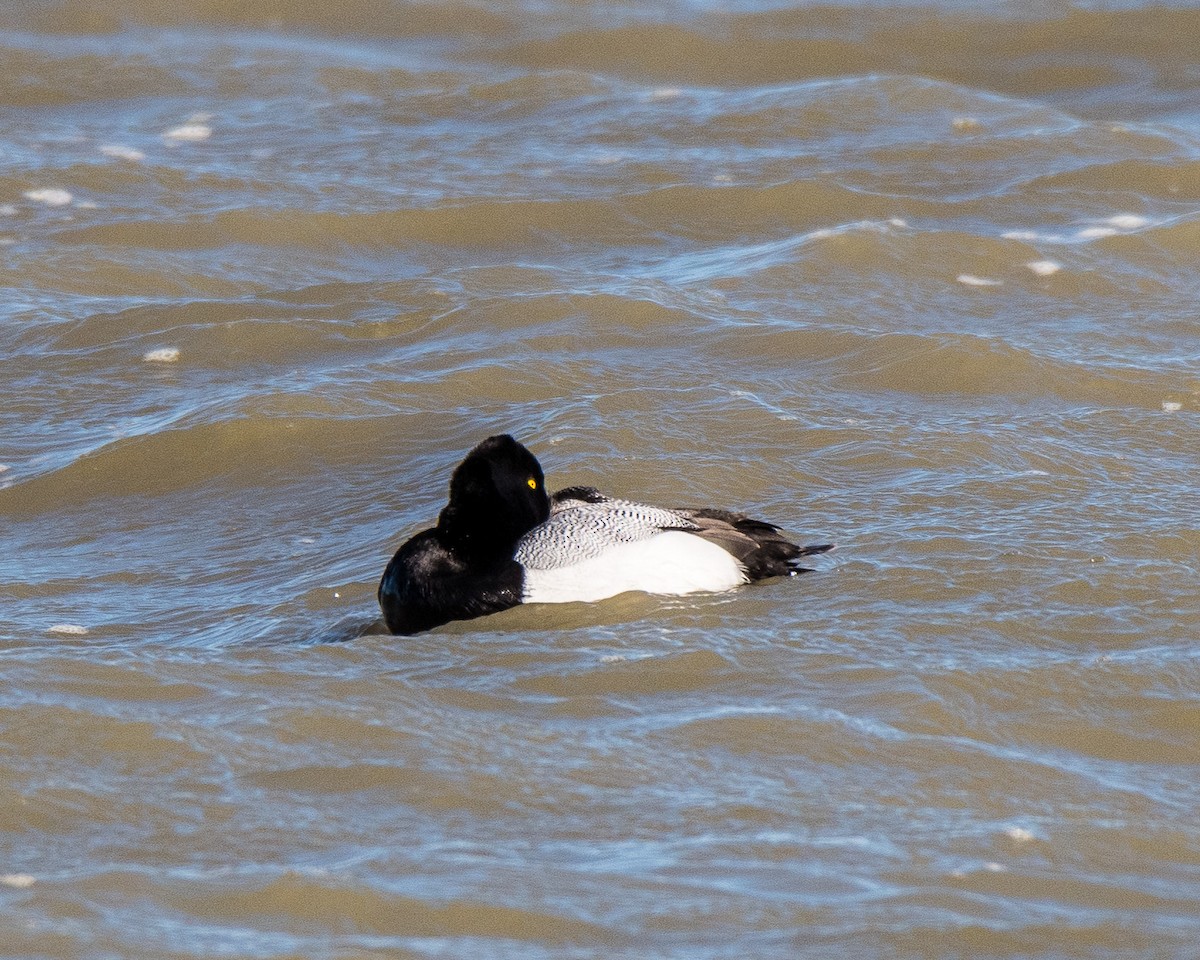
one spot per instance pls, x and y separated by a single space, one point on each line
502 540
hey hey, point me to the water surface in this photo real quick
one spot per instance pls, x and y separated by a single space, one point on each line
917 278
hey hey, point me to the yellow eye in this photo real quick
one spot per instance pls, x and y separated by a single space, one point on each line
532 481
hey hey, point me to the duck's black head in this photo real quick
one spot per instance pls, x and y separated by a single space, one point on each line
497 495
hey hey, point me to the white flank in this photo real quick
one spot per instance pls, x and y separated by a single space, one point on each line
672 562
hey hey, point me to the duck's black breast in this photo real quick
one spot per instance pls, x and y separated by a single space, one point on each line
429 583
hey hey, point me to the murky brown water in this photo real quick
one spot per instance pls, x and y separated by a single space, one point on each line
918 279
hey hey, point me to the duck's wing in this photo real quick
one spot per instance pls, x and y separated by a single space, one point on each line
756 544
584 523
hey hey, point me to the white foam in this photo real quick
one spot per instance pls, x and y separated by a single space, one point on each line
1044 268
965 124
20 881
1128 221
779 412
971 280
898 223
119 152
50 196
162 355
1019 834
1171 406
1109 227
68 629
189 133
666 93
7 210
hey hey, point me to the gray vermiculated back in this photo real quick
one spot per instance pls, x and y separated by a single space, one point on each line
578 530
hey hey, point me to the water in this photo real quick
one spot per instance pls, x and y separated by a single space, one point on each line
920 279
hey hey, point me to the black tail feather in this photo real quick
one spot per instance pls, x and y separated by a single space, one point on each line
758 545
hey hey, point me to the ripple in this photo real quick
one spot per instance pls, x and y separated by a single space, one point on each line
921 283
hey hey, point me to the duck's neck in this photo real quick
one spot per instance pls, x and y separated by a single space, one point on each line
478 534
